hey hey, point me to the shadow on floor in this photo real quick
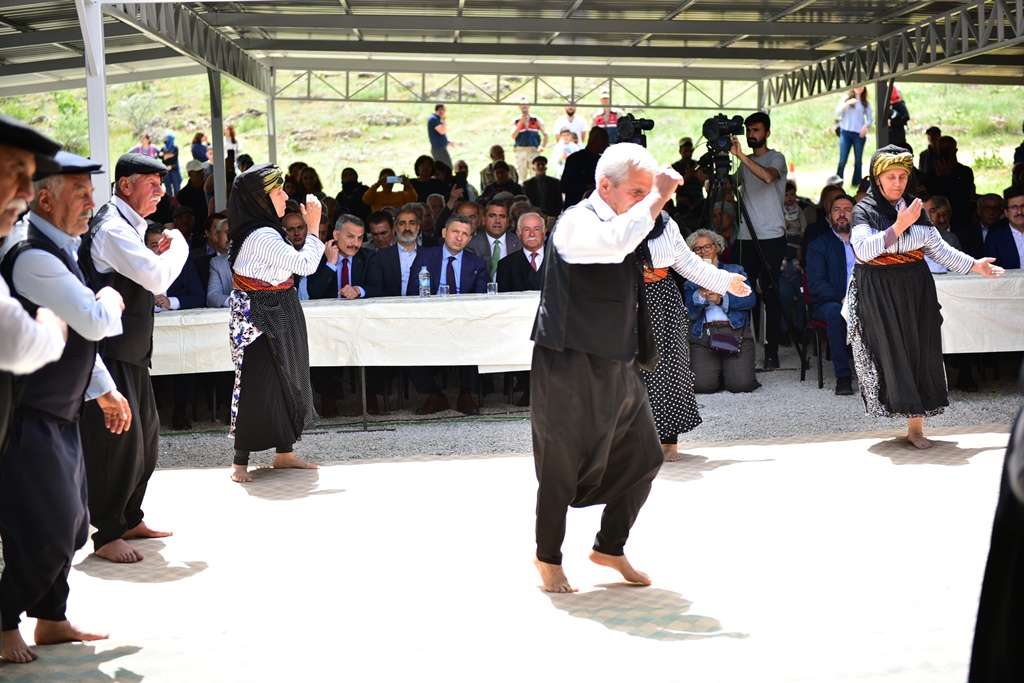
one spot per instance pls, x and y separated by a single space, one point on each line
654 613
693 467
270 484
77 662
949 453
153 569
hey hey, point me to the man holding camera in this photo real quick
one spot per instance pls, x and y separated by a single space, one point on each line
762 181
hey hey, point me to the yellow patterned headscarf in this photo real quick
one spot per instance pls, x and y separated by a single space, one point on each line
273 179
887 161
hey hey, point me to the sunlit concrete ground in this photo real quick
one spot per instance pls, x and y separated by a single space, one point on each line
849 558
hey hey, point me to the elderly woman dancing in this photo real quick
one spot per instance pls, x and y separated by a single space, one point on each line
272 401
894 315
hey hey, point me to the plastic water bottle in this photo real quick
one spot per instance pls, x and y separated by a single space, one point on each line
424 281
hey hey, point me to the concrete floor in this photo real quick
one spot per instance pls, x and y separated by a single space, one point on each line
844 558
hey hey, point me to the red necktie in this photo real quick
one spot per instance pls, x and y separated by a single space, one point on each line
344 273
533 260
453 286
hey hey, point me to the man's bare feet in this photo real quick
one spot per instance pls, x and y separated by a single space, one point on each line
119 551
53 632
553 577
141 530
919 441
289 461
15 649
240 473
620 564
671 452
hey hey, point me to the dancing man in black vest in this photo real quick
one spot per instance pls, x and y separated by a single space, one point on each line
594 437
114 254
43 513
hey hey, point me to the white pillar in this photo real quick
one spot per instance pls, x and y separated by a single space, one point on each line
220 193
90 16
272 119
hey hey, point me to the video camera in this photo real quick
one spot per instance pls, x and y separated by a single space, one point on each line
629 128
719 132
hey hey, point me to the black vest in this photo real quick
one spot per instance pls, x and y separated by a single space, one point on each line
57 389
135 344
607 316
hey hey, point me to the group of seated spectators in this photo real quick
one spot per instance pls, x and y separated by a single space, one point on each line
379 237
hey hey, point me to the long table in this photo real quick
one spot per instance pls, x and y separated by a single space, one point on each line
493 331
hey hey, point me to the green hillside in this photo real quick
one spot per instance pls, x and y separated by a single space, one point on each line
985 120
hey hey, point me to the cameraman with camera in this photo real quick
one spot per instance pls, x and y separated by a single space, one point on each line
762 181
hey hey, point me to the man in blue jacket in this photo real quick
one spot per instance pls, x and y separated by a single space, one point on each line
1007 246
464 273
830 261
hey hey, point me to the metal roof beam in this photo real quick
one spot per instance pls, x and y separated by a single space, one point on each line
77 83
392 23
968 31
182 29
79 62
62 35
525 49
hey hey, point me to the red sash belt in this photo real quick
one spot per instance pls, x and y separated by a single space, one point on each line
251 284
896 259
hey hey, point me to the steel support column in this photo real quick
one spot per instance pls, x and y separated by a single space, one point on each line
272 119
882 94
220 193
90 16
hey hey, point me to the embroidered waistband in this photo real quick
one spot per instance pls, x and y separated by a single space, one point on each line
251 284
655 274
896 259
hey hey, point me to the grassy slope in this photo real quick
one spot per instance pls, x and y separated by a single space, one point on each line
332 135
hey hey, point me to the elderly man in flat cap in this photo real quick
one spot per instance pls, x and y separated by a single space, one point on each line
114 253
43 501
28 343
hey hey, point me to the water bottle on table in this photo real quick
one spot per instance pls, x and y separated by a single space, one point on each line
424 281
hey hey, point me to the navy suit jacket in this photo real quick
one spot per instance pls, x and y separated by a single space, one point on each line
188 288
472 280
1000 246
826 268
323 284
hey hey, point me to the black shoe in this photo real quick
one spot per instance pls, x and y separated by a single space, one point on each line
785 339
844 386
771 363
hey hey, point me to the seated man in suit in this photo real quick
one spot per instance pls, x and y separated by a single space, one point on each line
503 182
990 218
340 275
493 242
463 272
387 272
381 227
542 189
521 271
830 261
200 256
1007 246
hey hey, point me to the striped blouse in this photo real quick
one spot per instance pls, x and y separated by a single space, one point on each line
669 250
869 243
265 255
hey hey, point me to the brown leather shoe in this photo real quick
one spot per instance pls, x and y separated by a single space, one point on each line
435 403
467 406
371 404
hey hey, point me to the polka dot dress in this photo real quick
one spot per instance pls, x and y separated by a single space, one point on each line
670 386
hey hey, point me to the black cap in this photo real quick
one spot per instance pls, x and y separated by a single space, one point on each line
183 208
72 164
131 163
19 135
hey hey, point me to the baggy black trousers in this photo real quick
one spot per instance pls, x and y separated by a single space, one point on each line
43 517
594 442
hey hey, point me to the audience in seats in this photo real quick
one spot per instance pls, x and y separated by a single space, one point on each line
463 272
381 227
952 180
1007 246
990 217
502 183
830 261
350 198
425 184
192 193
382 193
497 153
201 255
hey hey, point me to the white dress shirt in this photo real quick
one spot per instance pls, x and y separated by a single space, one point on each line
27 345
405 259
540 257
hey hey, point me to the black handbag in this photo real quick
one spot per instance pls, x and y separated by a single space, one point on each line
722 342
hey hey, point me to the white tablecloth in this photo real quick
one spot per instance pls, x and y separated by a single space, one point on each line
490 331
981 314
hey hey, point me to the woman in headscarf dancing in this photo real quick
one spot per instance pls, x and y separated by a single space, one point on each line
272 402
894 319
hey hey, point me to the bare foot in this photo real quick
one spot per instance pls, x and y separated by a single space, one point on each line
140 530
119 551
671 452
553 577
240 473
15 649
919 441
289 461
620 564
53 632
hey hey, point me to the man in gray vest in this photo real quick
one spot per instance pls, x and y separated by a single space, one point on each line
594 437
114 253
43 502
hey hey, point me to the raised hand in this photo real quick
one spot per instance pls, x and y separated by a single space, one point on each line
311 211
908 216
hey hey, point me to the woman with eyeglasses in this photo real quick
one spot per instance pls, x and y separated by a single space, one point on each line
719 314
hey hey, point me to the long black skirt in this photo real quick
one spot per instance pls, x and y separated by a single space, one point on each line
670 386
895 330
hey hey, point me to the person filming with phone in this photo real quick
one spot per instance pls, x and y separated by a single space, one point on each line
382 194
